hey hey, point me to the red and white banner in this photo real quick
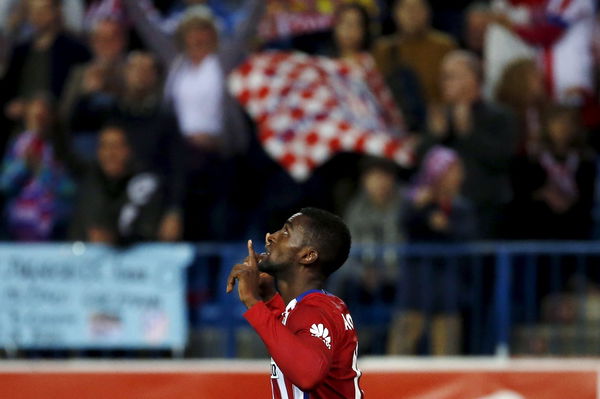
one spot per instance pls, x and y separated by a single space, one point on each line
286 18
389 379
308 108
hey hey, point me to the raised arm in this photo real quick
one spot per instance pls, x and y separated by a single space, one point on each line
303 355
301 351
144 18
232 51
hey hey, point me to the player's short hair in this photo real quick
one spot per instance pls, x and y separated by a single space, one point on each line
330 236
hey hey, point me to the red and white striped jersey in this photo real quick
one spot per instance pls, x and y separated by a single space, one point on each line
313 346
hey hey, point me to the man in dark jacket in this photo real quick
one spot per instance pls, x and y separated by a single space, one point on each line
119 202
42 63
481 133
153 133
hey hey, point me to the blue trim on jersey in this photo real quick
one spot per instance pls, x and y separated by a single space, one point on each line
301 296
306 395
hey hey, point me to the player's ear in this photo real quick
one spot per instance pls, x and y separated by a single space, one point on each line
308 256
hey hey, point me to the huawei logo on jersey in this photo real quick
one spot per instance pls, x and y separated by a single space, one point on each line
319 331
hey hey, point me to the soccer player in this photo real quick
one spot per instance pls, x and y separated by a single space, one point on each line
308 331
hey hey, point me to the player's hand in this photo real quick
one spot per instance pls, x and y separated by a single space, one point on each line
267 288
248 279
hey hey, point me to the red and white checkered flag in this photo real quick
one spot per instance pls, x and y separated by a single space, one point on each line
308 108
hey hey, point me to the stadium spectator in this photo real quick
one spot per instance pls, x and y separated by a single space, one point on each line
170 19
352 41
557 33
153 134
436 211
43 62
483 135
555 185
226 13
14 23
416 45
168 15
352 32
231 51
350 45
196 84
119 202
196 88
521 89
93 88
372 217
34 179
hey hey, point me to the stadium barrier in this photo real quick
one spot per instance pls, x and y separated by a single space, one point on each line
525 298
390 378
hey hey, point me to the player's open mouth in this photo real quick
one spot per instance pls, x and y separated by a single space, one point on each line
263 256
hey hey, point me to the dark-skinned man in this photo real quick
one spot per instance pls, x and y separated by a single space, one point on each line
308 332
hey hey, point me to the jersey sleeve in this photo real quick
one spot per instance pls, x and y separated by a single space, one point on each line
302 349
276 303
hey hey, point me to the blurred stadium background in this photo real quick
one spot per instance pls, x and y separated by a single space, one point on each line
144 141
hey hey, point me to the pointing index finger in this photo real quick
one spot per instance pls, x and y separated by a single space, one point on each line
251 254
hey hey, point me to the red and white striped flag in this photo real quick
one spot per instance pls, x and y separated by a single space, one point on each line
308 108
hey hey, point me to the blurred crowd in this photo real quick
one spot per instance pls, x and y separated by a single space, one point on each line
118 127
